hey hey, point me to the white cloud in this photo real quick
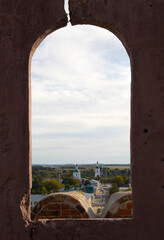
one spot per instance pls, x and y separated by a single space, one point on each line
80 97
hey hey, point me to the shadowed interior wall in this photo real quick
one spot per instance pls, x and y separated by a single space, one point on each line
139 25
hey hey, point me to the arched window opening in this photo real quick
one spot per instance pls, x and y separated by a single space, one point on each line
81 116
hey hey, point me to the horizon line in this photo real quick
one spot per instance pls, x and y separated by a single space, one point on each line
114 164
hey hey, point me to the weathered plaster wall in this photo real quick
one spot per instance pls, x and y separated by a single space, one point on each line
22 24
139 25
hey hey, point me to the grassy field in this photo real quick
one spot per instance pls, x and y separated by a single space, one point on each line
120 167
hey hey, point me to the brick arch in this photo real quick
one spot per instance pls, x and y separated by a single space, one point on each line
62 205
119 206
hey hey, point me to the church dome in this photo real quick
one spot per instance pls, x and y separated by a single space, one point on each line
76 170
97 166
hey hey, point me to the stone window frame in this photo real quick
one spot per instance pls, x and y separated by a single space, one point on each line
139 26
99 220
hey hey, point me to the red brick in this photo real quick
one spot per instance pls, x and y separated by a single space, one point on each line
129 205
48 214
66 213
73 200
75 213
41 214
85 215
66 206
52 207
45 201
124 212
70 213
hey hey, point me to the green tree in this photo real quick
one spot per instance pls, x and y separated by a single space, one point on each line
44 190
97 178
114 188
52 185
126 179
67 187
71 181
37 185
118 180
87 182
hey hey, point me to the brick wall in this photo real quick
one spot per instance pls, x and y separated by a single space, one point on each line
121 208
59 206
74 205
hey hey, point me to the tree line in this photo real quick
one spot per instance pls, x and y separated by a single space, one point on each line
47 180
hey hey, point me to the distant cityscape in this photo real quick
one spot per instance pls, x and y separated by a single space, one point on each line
97 183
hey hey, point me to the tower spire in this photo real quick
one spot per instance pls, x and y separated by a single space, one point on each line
97 170
76 173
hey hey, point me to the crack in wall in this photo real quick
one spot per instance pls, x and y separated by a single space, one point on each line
32 232
66 8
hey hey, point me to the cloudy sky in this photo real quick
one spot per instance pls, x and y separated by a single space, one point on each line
80 98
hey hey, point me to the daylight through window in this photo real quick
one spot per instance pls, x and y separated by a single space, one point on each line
81 126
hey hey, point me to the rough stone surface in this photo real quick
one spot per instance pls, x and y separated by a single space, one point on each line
139 26
23 24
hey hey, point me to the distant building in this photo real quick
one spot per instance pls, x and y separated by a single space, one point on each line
76 173
88 189
35 198
97 170
95 183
